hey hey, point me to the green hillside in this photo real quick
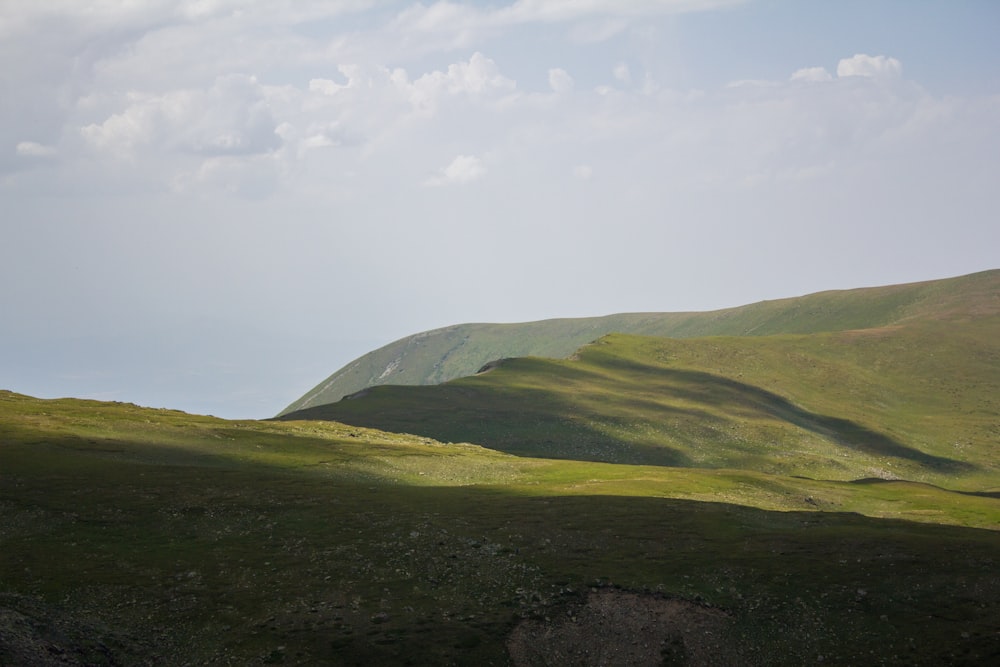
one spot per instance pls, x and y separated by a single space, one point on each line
143 537
917 402
437 356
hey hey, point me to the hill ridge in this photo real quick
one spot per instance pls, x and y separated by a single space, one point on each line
459 350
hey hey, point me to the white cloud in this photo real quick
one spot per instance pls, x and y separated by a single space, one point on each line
871 66
438 16
33 149
551 11
583 172
463 169
256 177
457 25
352 74
122 133
622 73
560 81
811 74
230 118
129 16
477 77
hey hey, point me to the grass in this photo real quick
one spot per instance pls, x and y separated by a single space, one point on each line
917 402
154 536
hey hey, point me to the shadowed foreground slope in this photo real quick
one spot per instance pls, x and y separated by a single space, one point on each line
135 536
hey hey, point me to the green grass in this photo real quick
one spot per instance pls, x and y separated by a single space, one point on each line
146 533
917 402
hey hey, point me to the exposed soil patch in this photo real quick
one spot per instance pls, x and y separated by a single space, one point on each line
616 627
32 633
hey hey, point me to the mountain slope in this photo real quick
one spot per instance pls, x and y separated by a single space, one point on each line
916 400
440 355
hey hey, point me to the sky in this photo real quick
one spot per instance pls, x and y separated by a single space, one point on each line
212 205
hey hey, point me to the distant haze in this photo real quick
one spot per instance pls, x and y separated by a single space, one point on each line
211 206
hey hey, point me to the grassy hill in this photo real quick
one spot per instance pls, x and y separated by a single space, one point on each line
138 536
437 356
917 401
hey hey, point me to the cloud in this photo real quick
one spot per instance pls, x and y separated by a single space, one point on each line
352 73
871 66
31 149
251 178
171 137
478 75
122 133
459 25
811 74
230 118
857 65
583 172
476 78
622 73
560 81
552 11
134 18
463 169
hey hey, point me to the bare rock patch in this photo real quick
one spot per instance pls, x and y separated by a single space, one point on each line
618 627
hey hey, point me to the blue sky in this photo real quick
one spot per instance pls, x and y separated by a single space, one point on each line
210 205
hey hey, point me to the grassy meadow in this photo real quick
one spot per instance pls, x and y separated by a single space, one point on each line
139 536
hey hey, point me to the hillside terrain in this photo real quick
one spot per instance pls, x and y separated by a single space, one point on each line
134 536
917 399
433 357
816 482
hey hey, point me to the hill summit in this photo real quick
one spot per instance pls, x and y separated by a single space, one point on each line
436 356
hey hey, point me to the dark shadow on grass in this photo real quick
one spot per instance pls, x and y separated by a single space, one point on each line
552 423
747 400
523 422
363 573
879 480
845 432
